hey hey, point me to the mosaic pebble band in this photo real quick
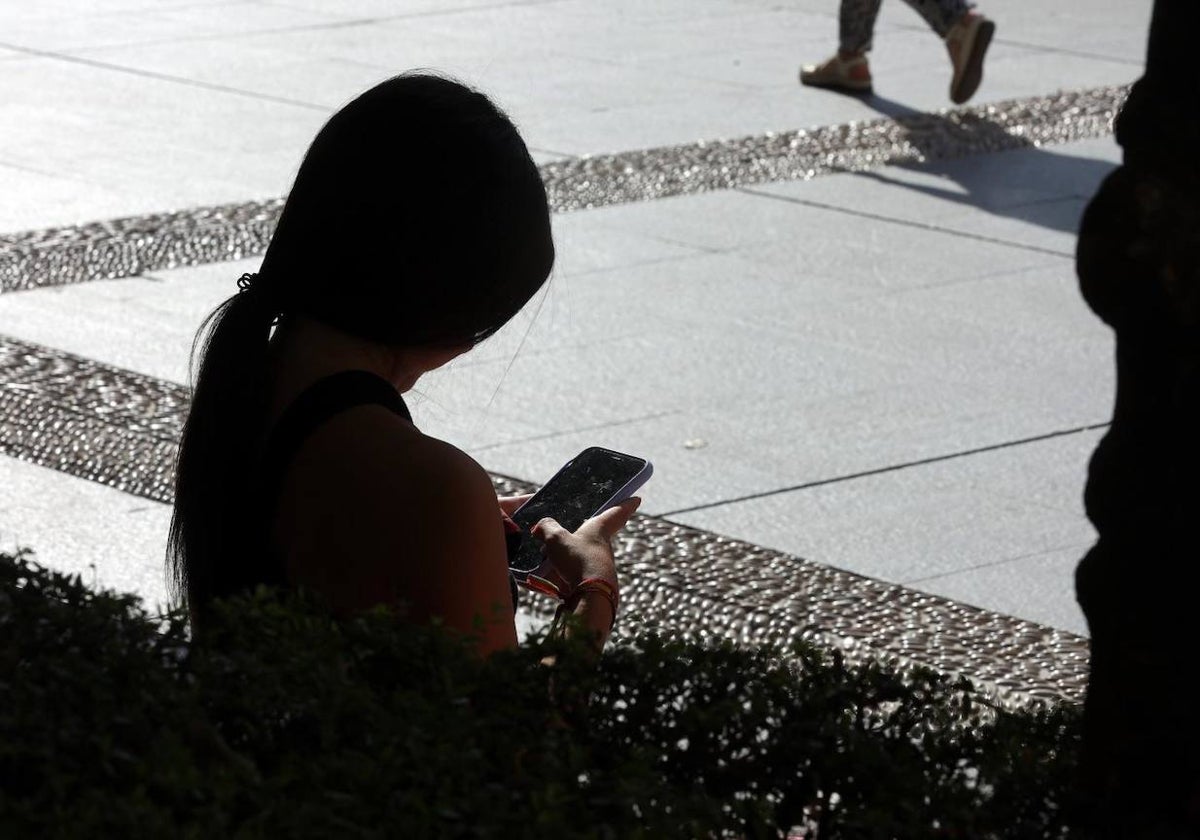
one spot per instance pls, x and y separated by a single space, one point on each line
130 246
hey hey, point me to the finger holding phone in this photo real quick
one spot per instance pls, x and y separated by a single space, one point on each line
586 553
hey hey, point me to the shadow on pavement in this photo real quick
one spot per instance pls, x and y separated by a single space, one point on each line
995 182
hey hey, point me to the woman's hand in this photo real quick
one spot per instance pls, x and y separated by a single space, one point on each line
587 553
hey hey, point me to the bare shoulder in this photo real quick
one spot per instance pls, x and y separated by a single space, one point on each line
407 459
375 511
380 459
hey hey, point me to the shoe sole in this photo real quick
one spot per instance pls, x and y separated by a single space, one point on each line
847 86
972 74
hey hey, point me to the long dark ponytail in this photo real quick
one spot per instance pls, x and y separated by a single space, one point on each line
417 219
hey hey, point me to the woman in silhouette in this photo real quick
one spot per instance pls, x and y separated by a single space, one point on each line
417 227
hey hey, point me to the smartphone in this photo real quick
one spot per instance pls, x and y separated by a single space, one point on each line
592 481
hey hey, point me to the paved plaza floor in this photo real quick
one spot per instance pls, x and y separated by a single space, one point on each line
876 360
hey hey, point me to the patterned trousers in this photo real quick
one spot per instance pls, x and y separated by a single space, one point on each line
856 19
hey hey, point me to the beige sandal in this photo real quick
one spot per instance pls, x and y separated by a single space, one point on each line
848 74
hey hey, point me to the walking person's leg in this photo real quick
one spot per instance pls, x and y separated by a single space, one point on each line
967 35
941 14
847 69
856 25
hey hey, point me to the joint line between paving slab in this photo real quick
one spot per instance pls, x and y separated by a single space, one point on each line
1044 48
878 217
888 469
312 27
612 424
991 564
1111 59
162 77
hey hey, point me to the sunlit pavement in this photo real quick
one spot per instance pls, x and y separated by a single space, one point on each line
887 371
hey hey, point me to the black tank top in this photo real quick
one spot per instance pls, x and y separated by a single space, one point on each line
316 405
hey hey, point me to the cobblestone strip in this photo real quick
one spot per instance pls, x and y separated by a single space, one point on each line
127 247
130 246
688 582
89 420
684 582
120 428
581 183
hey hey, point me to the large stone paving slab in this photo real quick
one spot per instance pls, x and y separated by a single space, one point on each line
109 537
580 78
1039 585
92 145
1001 530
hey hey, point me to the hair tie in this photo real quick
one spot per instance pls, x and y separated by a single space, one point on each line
251 283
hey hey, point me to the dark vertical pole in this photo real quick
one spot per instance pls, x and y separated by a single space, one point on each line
1138 261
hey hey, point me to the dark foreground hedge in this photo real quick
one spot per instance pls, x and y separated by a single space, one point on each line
285 724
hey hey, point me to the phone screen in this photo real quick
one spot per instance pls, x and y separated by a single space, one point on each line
576 492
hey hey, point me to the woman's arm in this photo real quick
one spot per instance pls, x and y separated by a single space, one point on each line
463 579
